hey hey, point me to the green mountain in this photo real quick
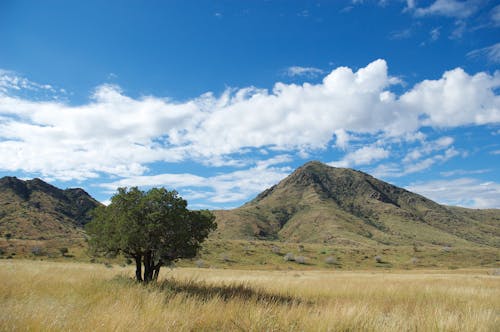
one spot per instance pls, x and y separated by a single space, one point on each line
322 204
36 210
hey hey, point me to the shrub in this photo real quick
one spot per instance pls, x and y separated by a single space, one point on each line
2 252
289 257
225 257
301 248
276 250
414 260
200 263
330 260
378 259
128 261
300 259
8 236
37 251
63 251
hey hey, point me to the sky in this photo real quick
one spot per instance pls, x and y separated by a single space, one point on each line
220 100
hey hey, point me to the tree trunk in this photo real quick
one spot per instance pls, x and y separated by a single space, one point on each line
138 268
156 271
148 267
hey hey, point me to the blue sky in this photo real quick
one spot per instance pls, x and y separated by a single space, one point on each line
222 99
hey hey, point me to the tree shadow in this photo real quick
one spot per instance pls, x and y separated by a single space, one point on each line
205 292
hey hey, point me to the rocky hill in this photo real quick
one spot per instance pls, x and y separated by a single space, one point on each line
322 204
34 209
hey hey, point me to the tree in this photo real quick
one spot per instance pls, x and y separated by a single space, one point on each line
154 228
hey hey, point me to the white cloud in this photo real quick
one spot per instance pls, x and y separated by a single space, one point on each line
418 159
418 166
363 156
120 136
466 192
401 34
223 188
492 53
495 15
464 172
435 33
456 99
449 8
11 81
303 71
427 148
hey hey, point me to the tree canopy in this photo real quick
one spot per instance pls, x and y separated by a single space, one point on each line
155 228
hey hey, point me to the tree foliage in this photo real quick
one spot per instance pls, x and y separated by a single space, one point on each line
155 228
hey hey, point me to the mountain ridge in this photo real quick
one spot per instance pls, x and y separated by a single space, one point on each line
320 203
34 209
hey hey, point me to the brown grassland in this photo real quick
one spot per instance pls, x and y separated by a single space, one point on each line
58 296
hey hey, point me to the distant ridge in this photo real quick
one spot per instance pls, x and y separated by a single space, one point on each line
34 209
322 204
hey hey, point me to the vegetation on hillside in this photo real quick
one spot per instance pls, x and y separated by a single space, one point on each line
34 210
322 204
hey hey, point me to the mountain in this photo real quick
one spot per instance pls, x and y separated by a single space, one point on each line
322 204
34 209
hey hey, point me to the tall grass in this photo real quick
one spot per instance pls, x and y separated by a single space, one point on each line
49 296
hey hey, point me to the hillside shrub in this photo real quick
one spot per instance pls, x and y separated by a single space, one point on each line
276 250
330 260
37 251
378 259
289 257
300 259
63 251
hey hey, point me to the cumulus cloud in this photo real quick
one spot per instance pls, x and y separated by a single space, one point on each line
467 192
117 135
456 99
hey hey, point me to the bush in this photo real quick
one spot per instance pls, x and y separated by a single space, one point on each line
63 251
37 251
300 259
200 263
301 248
289 257
414 260
276 250
330 260
378 259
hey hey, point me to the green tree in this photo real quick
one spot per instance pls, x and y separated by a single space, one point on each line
154 228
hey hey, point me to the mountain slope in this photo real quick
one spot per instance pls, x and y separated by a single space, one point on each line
34 209
323 204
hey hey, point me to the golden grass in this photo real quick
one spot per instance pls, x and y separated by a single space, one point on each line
50 296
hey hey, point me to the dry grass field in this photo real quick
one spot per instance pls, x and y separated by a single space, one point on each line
52 296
